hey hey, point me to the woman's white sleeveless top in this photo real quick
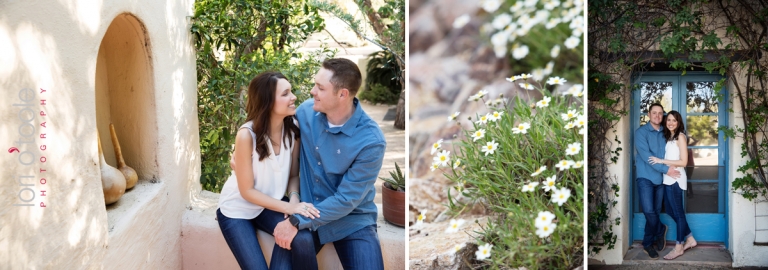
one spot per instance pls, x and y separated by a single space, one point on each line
673 153
270 176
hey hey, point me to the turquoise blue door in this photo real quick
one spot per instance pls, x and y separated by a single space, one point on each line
704 110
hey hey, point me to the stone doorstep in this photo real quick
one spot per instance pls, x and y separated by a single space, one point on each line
704 254
203 246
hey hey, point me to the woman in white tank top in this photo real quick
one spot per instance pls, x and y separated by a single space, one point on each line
676 154
254 197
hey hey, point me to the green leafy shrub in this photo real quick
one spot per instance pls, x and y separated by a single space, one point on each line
382 72
378 93
524 162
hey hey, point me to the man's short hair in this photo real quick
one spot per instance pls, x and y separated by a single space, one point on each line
655 104
346 74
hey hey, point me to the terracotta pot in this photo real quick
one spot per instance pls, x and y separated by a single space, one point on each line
393 204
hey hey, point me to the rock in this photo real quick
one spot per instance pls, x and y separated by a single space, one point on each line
425 30
432 248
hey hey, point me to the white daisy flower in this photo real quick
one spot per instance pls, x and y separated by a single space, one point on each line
483 252
458 247
538 74
436 146
421 218
501 21
434 166
544 102
555 80
483 119
569 125
530 186
521 128
564 164
455 225
495 116
552 23
539 171
520 52
513 78
572 42
582 131
478 134
578 164
549 184
546 230
549 67
544 218
443 158
551 4
461 21
580 121
574 90
573 149
555 51
456 163
525 76
453 116
491 5
526 86
569 115
490 147
559 196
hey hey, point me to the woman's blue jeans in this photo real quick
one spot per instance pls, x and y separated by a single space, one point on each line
240 235
674 205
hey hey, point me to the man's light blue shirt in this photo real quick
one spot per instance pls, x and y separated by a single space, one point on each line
338 169
649 142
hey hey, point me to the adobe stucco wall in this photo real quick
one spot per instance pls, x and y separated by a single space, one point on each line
741 222
622 208
150 86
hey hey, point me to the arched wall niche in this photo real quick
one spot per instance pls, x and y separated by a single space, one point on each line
125 96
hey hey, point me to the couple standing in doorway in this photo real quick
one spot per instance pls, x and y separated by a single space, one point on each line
662 152
305 175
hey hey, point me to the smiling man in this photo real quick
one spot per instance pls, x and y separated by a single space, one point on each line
649 141
342 150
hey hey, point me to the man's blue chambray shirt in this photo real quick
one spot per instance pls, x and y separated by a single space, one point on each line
649 142
338 169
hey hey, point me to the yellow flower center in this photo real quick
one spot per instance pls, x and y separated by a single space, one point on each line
562 196
442 158
485 251
551 184
546 228
421 217
455 225
435 145
490 147
478 134
482 118
570 115
543 218
520 127
544 102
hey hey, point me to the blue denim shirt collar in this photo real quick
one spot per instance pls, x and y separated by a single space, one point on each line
350 127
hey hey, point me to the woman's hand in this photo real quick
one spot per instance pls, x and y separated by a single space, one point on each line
305 209
655 160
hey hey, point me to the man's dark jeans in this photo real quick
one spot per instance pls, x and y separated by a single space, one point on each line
651 198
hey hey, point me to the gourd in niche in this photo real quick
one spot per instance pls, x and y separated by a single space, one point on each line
112 180
130 174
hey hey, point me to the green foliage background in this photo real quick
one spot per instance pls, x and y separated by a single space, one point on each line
235 40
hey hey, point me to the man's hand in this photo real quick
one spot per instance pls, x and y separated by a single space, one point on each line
673 172
284 234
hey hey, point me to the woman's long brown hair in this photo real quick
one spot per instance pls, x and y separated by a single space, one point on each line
261 99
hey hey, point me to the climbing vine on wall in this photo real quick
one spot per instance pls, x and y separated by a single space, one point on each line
627 38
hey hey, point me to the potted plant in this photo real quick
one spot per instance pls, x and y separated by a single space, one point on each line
393 197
